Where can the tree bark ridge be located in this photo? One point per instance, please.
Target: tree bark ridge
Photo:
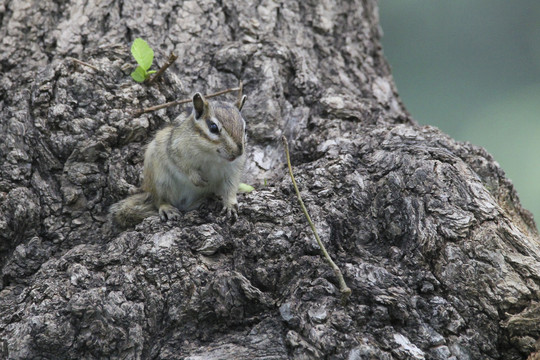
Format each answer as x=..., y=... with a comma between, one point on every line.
x=430, y=236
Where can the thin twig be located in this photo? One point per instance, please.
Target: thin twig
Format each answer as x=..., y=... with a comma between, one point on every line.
x=182, y=101
x=83, y=63
x=172, y=58
x=240, y=94
x=343, y=288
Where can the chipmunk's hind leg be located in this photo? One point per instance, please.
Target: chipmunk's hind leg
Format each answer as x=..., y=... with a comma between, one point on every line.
x=168, y=212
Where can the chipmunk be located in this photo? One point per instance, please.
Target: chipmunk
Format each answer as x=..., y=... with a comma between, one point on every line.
x=186, y=162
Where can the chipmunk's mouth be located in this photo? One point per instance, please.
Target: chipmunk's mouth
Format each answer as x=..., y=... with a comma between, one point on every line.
x=228, y=157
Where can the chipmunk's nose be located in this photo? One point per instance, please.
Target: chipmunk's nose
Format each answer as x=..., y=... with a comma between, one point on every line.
x=240, y=150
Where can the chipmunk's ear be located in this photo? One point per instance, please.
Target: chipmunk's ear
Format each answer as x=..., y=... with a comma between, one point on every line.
x=241, y=102
x=199, y=105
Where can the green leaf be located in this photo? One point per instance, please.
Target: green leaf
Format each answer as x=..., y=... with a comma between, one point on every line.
x=139, y=75
x=143, y=53
x=245, y=188
x=151, y=72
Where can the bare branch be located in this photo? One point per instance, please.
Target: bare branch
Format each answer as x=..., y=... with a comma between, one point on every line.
x=179, y=102
x=343, y=288
x=83, y=63
x=172, y=58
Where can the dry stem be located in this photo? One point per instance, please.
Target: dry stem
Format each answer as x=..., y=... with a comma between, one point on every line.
x=184, y=101
x=343, y=288
x=172, y=58
x=83, y=63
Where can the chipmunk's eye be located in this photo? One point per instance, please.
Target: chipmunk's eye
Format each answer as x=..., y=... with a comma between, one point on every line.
x=213, y=128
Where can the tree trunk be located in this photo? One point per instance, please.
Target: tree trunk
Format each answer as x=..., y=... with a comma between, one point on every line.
x=442, y=260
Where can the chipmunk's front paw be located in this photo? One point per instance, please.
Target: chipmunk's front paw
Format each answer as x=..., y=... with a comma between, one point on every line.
x=169, y=212
x=230, y=211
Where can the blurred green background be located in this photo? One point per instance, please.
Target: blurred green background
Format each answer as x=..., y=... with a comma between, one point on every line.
x=472, y=69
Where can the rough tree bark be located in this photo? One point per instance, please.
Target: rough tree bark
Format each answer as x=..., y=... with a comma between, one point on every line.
x=442, y=260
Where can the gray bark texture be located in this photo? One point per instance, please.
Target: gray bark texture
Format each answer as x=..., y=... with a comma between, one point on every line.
x=442, y=260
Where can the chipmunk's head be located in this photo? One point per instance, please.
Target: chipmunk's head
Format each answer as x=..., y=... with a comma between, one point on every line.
x=221, y=126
